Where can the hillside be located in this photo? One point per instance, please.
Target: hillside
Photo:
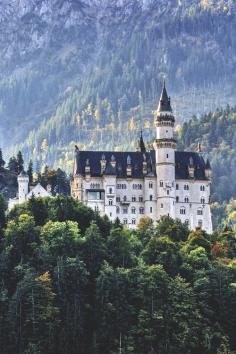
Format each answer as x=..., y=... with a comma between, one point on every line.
x=87, y=71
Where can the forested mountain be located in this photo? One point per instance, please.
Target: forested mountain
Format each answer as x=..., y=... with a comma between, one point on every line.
x=90, y=71
x=71, y=282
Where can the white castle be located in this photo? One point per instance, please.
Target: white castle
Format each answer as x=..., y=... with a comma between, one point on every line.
x=156, y=183
x=24, y=193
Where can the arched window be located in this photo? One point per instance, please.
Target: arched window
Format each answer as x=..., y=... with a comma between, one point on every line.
x=186, y=200
x=182, y=211
x=125, y=221
x=133, y=221
x=202, y=200
x=110, y=202
x=150, y=197
x=161, y=183
x=150, y=185
x=202, y=188
x=141, y=210
x=133, y=199
x=133, y=210
x=186, y=187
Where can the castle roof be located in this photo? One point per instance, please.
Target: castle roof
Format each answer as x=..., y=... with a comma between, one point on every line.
x=136, y=159
x=164, y=103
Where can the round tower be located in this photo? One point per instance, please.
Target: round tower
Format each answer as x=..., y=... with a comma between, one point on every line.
x=165, y=146
x=23, y=186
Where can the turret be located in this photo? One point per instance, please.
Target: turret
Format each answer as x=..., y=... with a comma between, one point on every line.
x=208, y=170
x=191, y=168
x=23, y=186
x=165, y=146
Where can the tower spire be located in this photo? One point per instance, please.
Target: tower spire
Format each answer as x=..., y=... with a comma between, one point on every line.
x=164, y=102
x=142, y=146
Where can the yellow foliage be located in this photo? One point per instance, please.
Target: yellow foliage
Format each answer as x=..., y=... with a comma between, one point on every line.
x=147, y=124
x=44, y=278
x=131, y=124
x=44, y=145
x=178, y=128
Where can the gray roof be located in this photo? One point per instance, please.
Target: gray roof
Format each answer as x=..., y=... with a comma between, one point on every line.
x=183, y=160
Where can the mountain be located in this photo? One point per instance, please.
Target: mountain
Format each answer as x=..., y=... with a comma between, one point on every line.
x=90, y=71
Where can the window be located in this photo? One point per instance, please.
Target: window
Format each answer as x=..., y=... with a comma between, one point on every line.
x=133, y=221
x=167, y=155
x=121, y=186
x=125, y=210
x=110, y=202
x=187, y=221
x=125, y=221
x=133, y=199
x=140, y=199
x=117, y=210
x=96, y=195
x=177, y=187
x=177, y=199
x=199, y=223
x=202, y=188
x=150, y=197
x=110, y=191
x=150, y=209
x=96, y=208
x=110, y=214
x=141, y=210
x=168, y=192
x=95, y=186
x=133, y=210
x=186, y=187
x=137, y=186
x=118, y=199
x=161, y=183
x=186, y=200
x=199, y=212
x=203, y=200
x=182, y=211
x=162, y=206
x=150, y=185
x=124, y=198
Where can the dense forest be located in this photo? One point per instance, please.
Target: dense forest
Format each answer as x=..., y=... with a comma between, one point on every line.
x=73, y=282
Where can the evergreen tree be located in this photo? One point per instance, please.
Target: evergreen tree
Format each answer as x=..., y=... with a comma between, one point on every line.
x=30, y=172
x=20, y=162
x=2, y=162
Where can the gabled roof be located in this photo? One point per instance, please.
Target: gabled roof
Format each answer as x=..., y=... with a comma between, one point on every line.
x=183, y=160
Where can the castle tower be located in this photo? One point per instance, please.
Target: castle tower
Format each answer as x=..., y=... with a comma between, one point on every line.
x=23, y=186
x=165, y=146
x=77, y=182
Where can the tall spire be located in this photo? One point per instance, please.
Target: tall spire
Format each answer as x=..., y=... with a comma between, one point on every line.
x=142, y=147
x=164, y=103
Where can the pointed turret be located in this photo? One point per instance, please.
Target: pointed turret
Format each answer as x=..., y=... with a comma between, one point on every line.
x=164, y=103
x=142, y=146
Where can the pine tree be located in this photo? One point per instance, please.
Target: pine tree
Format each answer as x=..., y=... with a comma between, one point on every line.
x=20, y=162
x=2, y=162
x=30, y=172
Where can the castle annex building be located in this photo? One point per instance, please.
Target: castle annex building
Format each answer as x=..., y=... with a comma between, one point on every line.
x=163, y=181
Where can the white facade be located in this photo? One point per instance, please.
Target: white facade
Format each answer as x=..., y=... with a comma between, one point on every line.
x=158, y=183
x=24, y=193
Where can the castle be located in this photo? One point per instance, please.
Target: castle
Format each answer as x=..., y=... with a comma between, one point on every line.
x=156, y=183
x=24, y=193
